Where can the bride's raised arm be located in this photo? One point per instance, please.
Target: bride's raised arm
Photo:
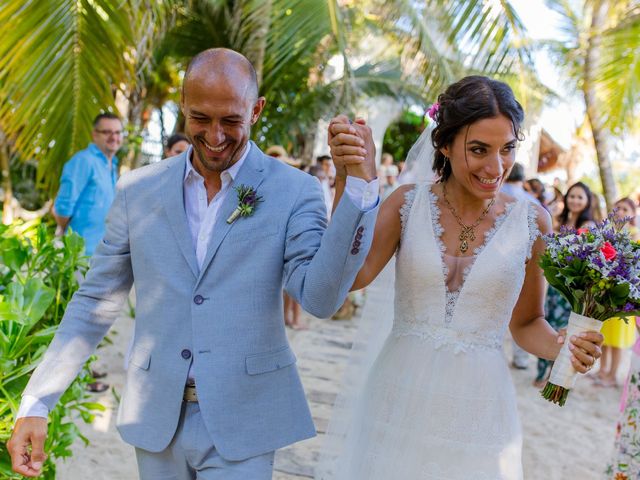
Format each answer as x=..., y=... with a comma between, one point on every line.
x=346, y=141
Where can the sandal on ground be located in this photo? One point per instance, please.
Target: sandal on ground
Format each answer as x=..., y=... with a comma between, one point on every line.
x=97, y=387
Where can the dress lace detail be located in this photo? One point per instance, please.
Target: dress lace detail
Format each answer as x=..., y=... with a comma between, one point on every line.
x=409, y=197
x=534, y=231
x=452, y=296
x=456, y=341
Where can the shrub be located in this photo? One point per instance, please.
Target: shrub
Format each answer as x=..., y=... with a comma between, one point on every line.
x=38, y=275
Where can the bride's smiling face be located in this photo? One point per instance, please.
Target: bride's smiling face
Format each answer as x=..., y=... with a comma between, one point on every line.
x=482, y=155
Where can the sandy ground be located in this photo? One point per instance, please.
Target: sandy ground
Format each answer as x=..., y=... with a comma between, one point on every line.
x=573, y=442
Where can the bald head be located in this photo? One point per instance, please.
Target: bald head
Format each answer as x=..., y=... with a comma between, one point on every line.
x=221, y=63
x=220, y=104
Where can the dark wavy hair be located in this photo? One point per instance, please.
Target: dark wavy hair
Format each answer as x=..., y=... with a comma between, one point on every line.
x=586, y=215
x=471, y=99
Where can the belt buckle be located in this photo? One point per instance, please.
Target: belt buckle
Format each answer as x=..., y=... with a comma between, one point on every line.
x=190, y=395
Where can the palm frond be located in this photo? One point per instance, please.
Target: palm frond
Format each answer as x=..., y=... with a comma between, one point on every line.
x=618, y=74
x=58, y=65
x=297, y=29
x=489, y=35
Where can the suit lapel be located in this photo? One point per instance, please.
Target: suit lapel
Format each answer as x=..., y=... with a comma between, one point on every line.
x=173, y=199
x=250, y=174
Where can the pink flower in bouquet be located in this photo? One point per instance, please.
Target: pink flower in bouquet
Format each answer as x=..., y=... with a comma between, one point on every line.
x=581, y=231
x=608, y=251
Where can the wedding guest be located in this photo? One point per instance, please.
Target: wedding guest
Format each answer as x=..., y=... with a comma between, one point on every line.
x=577, y=213
x=536, y=188
x=618, y=334
x=278, y=151
x=88, y=183
x=388, y=175
x=625, y=461
x=87, y=190
x=176, y=144
x=327, y=165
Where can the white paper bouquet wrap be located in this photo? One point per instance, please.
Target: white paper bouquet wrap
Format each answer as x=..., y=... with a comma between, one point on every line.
x=563, y=374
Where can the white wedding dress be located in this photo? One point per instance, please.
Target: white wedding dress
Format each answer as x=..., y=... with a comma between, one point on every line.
x=438, y=402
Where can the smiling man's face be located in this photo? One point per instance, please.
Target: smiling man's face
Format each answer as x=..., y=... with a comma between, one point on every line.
x=219, y=109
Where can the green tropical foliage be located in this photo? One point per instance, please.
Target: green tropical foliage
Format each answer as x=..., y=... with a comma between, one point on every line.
x=38, y=276
x=66, y=60
x=401, y=135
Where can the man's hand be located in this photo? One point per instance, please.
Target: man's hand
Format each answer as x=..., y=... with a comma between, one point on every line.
x=352, y=148
x=28, y=432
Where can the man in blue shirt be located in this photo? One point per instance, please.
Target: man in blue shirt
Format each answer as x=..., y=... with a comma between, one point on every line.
x=88, y=182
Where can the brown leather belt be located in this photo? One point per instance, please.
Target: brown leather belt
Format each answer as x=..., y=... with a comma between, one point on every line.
x=190, y=395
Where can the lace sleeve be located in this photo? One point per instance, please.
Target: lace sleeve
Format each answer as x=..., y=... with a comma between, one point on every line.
x=405, y=210
x=534, y=231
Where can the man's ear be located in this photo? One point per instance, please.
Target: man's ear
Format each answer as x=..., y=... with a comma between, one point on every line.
x=257, y=109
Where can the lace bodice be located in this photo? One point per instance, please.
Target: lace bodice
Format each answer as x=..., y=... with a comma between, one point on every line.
x=470, y=308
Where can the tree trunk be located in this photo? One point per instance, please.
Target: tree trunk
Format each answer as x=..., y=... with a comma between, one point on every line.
x=598, y=128
x=7, y=188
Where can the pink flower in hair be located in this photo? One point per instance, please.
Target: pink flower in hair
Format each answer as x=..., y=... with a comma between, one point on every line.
x=433, y=110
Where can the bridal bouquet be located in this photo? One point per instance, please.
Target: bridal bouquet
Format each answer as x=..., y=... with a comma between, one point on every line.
x=598, y=272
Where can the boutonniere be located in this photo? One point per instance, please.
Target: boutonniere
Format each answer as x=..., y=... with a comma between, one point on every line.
x=247, y=203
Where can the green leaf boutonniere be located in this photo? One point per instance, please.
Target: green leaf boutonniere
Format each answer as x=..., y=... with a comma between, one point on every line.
x=247, y=202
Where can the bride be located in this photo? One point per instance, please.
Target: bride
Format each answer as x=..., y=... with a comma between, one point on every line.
x=438, y=402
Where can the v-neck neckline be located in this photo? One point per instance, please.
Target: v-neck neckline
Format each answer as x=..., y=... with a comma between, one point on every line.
x=451, y=297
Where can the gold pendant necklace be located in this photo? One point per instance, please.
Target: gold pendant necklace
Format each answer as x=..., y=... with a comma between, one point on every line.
x=467, y=234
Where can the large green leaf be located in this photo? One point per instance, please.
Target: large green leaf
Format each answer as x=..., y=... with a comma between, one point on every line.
x=26, y=303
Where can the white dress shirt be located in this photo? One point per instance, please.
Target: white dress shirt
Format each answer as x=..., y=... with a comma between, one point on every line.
x=202, y=216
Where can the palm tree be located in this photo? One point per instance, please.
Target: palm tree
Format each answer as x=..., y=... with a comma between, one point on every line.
x=601, y=55
x=66, y=60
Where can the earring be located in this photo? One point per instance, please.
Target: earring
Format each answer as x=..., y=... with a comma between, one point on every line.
x=446, y=160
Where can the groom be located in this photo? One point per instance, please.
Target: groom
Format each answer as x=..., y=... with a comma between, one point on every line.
x=212, y=389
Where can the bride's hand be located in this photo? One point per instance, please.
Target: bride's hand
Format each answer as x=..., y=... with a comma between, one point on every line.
x=585, y=349
x=352, y=148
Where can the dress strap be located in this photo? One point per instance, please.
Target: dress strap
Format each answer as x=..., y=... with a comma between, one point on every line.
x=534, y=231
x=405, y=210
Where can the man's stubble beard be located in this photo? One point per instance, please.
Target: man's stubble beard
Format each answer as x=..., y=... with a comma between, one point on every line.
x=214, y=167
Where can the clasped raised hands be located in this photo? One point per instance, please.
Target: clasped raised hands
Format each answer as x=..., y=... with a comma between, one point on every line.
x=352, y=148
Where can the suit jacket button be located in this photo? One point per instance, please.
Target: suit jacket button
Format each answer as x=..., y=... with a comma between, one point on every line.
x=358, y=236
x=356, y=243
x=360, y=229
x=354, y=251
x=198, y=299
x=186, y=354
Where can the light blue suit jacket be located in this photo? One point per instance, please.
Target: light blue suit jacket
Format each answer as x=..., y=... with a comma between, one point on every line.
x=226, y=318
